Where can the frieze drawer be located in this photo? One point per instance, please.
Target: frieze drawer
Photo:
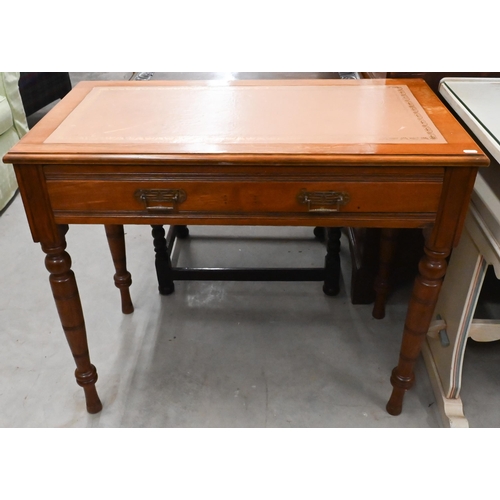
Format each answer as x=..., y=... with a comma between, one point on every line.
x=249, y=197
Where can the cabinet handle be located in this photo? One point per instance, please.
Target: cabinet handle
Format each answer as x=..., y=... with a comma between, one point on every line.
x=323, y=201
x=161, y=200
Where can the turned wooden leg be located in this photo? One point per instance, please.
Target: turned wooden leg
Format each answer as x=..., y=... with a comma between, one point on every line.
x=332, y=261
x=428, y=282
x=123, y=279
x=65, y=291
x=381, y=286
x=162, y=261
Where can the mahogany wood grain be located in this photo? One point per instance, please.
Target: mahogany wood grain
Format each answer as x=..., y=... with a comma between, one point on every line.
x=432, y=268
x=391, y=181
x=67, y=299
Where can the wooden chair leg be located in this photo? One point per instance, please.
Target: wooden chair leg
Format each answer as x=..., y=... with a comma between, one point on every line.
x=162, y=261
x=332, y=261
x=364, y=248
x=382, y=283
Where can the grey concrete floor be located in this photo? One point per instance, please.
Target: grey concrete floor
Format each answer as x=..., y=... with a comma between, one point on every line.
x=213, y=354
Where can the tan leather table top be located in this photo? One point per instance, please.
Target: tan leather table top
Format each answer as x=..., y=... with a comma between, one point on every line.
x=266, y=114
x=388, y=118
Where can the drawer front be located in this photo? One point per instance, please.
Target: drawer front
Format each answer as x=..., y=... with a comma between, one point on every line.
x=259, y=197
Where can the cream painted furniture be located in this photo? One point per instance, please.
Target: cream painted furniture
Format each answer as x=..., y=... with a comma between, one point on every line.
x=477, y=102
x=12, y=127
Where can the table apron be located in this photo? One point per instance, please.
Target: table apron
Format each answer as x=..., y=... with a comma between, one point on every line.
x=259, y=201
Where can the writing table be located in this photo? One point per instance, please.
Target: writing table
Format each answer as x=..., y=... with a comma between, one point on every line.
x=366, y=153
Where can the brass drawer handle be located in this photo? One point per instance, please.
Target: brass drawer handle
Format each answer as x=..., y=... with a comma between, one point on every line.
x=323, y=201
x=161, y=200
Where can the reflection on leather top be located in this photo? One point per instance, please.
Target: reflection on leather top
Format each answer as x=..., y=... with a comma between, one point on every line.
x=299, y=114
